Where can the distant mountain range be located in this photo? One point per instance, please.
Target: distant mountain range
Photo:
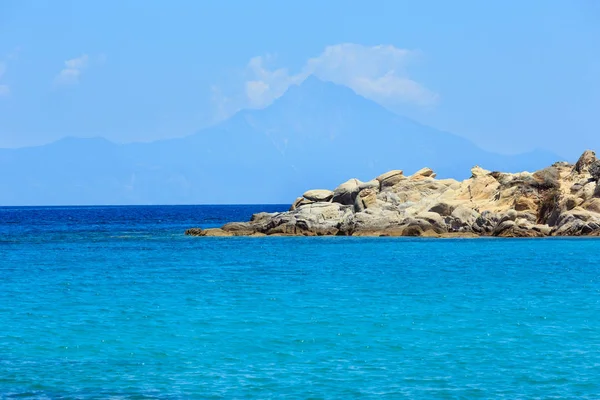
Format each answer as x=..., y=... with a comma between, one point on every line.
x=316, y=135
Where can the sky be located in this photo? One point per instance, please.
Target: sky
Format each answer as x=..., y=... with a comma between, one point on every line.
x=511, y=76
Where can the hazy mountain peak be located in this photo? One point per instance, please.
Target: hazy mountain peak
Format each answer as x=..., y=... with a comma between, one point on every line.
x=316, y=96
x=313, y=86
x=315, y=135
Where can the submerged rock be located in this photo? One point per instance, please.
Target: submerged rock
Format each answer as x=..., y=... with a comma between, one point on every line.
x=562, y=199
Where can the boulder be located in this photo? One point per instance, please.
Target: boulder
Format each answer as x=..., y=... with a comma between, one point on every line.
x=588, y=190
x=486, y=222
x=570, y=227
x=318, y=195
x=244, y=227
x=516, y=231
x=194, y=232
x=592, y=227
x=390, y=178
x=477, y=172
x=321, y=218
x=422, y=225
x=594, y=170
x=466, y=215
x=572, y=223
x=443, y=208
x=571, y=202
x=390, y=198
x=358, y=204
x=413, y=230
x=372, y=220
x=525, y=204
x=504, y=226
x=346, y=193
x=367, y=198
x=509, y=215
x=215, y=232
x=543, y=229
x=547, y=178
x=300, y=201
x=422, y=174
x=262, y=216
x=586, y=159
x=576, y=187
x=528, y=216
x=435, y=220
x=372, y=184
x=592, y=205
x=324, y=210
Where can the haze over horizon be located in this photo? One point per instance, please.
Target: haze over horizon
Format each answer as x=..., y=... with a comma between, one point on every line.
x=318, y=134
x=509, y=84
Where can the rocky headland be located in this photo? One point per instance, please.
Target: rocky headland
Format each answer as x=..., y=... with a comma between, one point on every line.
x=560, y=200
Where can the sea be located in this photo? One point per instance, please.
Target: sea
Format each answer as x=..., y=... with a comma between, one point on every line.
x=117, y=303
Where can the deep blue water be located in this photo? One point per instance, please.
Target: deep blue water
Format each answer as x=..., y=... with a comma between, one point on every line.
x=115, y=302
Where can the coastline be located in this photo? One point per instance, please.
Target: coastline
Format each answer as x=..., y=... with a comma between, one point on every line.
x=447, y=236
x=562, y=200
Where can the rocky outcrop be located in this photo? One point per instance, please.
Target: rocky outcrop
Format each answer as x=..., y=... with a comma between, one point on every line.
x=560, y=200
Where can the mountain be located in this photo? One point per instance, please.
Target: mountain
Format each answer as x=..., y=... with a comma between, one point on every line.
x=316, y=134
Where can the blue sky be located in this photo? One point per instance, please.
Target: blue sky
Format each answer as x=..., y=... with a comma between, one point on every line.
x=509, y=75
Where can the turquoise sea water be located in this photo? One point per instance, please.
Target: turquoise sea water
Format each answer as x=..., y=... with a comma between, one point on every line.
x=115, y=302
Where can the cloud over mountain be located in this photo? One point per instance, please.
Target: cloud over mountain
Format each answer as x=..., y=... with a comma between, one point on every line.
x=72, y=70
x=379, y=73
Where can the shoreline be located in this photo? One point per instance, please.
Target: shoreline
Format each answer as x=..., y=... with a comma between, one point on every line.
x=562, y=200
x=449, y=236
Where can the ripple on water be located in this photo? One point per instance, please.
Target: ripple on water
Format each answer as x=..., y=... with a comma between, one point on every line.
x=130, y=308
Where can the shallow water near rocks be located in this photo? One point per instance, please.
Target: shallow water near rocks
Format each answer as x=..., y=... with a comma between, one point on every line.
x=117, y=302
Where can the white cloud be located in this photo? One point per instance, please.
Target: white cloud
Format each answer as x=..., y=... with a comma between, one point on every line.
x=77, y=63
x=258, y=92
x=394, y=88
x=72, y=71
x=264, y=85
x=375, y=72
